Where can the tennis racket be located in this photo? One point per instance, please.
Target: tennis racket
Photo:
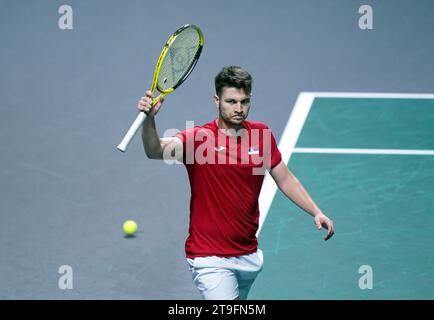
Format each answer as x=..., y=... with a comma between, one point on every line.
x=175, y=63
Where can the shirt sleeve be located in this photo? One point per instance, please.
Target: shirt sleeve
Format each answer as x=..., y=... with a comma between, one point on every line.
x=187, y=138
x=183, y=137
x=276, y=157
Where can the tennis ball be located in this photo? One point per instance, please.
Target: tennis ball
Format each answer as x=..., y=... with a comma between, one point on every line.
x=130, y=227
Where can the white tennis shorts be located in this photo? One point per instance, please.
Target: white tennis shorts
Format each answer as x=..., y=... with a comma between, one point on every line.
x=219, y=278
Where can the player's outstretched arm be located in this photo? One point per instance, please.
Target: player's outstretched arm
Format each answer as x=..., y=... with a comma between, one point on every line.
x=295, y=191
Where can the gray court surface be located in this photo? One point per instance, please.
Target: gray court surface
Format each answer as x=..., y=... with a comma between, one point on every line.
x=68, y=96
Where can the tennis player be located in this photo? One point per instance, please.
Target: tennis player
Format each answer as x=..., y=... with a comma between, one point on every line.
x=224, y=158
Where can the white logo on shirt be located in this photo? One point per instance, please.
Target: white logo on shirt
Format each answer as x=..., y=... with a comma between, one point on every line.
x=253, y=150
x=221, y=148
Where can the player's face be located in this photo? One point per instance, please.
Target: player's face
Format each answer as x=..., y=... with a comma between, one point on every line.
x=233, y=105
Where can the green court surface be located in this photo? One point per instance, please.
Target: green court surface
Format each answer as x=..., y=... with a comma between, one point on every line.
x=382, y=205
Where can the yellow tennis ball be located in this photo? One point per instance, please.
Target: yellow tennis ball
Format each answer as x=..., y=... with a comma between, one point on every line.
x=130, y=227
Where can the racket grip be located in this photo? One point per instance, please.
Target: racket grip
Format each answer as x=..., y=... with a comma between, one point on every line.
x=131, y=132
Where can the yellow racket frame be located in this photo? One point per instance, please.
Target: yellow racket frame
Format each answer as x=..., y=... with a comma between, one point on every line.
x=161, y=59
x=142, y=116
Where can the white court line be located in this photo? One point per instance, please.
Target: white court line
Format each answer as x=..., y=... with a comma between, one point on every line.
x=365, y=151
x=381, y=95
x=286, y=145
x=295, y=125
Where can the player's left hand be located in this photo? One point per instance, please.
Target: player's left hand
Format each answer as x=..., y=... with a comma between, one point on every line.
x=321, y=220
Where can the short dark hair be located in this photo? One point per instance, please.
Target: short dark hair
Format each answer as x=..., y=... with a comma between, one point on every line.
x=233, y=76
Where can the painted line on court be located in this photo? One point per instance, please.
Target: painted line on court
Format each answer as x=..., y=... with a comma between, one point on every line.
x=381, y=95
x=365, y=151
x=295, y=124
x=286, y=146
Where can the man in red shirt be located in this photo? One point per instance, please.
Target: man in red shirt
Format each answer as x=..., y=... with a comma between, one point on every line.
x=226, y=160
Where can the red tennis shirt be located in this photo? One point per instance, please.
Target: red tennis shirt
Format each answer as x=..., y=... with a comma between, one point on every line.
x=226, y=174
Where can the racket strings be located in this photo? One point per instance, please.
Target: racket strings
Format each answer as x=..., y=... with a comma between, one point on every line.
x=179, y=58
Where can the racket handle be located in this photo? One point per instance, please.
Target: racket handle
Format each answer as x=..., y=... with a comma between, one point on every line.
x=131, y=132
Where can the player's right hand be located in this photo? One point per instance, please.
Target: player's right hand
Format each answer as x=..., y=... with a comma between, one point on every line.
x=145, y=104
